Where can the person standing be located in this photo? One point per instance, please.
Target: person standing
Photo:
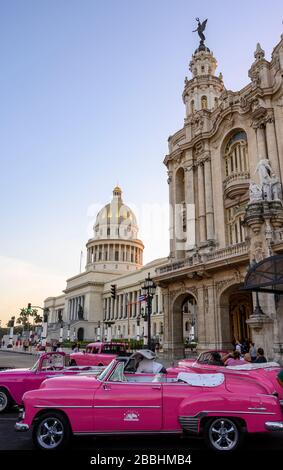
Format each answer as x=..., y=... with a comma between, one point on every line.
x=252, y=351
x=260, y=357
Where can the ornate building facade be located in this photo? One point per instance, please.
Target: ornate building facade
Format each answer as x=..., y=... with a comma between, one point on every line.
x=225, y=169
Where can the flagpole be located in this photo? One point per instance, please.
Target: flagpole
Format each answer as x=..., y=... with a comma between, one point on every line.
x=81, y=257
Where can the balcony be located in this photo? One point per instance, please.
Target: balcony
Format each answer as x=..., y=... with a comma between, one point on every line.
x=208, y=259
x=236, y=184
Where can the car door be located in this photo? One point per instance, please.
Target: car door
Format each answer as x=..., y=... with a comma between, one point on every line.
x=121, y=406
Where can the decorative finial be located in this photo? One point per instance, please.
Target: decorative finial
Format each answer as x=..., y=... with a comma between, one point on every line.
x=259, y=52
x=220, y=76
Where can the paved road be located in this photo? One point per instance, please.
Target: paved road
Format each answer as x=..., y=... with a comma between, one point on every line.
x=11, y=440
x=11, y=359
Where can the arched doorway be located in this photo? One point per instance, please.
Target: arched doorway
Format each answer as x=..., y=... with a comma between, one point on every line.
x=240, y=309
x=80, y=334
x=235, y=308
x=183, y=322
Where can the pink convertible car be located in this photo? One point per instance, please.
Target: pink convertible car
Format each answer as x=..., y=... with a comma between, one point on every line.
x=15, y=382
x=266, y=372
x=219, y=407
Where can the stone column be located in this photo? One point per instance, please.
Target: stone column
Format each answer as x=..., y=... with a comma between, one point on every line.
x=201, y=204
x=170, y=182
x=272, y=146
x=261, y=145
x=208, y=200
x=190, y=207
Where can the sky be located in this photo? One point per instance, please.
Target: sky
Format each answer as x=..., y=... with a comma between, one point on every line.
x=90, y=91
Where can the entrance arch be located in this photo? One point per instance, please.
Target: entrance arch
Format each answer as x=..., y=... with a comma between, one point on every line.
x=80, y=334
x=183, y=322
x=236, y=307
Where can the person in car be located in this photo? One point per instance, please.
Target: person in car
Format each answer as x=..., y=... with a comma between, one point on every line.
x=234, y=359
x=145, y=362
x=260, y=357
x=216, y=359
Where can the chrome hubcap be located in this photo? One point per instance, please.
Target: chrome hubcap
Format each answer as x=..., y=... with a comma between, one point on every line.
x=223, y=434
x=50, y=433
x=3, y=401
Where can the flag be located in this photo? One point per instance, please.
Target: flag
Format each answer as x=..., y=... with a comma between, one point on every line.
x=142, y=298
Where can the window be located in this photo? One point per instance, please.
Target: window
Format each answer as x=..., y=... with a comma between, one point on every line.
x=236, y=154
x=192, y=106
x=235, y=230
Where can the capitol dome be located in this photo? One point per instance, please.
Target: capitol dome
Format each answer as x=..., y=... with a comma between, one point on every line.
x=115, y=245
x=116, y=220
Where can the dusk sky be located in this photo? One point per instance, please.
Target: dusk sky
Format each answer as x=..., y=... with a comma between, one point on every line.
x=90, y=90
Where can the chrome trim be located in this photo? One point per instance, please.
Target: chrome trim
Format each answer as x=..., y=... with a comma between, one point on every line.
x=240, y=412
x=107, y=433
x=97, y=406
x=190, y=423
x=22, y=427
x=126, y=406
x=274, y=425
x=257, y=408
x=60, y=406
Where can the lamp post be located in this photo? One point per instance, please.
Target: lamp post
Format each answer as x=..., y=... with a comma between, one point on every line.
x=149, y=289
x=138, y=328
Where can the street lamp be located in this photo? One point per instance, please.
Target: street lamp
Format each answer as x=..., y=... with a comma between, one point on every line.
x=149, y=289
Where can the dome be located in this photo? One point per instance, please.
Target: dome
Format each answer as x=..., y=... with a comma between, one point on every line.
x=115, y=219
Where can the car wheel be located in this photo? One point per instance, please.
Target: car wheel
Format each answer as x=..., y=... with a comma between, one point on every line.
x=223, y=434
x=5, y=400
x=100, y=365
x=51, y=431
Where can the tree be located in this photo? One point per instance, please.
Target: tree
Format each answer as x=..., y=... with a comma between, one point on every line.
x=24, y=318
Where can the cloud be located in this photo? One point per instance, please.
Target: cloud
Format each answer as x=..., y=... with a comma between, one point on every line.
x=22, y=282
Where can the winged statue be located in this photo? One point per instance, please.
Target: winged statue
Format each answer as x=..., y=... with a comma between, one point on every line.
x=200, y=29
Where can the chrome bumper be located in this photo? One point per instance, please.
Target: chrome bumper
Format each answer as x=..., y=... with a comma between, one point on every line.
x=274, y=425
x=21, y=427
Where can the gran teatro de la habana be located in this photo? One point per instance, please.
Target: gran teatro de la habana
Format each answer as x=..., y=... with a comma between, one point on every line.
x=225, y=173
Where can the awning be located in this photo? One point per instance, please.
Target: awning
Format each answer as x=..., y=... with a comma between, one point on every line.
x=266, y=276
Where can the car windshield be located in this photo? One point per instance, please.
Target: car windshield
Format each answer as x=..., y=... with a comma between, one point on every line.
x=35, y=366
x=106, y=370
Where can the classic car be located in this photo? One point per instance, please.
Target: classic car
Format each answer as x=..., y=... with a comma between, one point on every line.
x=98, y=354
x=204, y=364
x=219, y=407
x=15, y=382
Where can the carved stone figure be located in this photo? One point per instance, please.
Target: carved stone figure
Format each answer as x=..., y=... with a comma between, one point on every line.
x=255, y=192
x=276, y=187
x=264, y=170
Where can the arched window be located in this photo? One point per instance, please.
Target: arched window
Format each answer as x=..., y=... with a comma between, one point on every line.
x=192, y=106
x=204, y=102
x=215, y=102
x=234, y=223
x=236, y=154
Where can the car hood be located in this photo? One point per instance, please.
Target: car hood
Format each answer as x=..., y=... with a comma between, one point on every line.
x=75, y=381
x=14, y=371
